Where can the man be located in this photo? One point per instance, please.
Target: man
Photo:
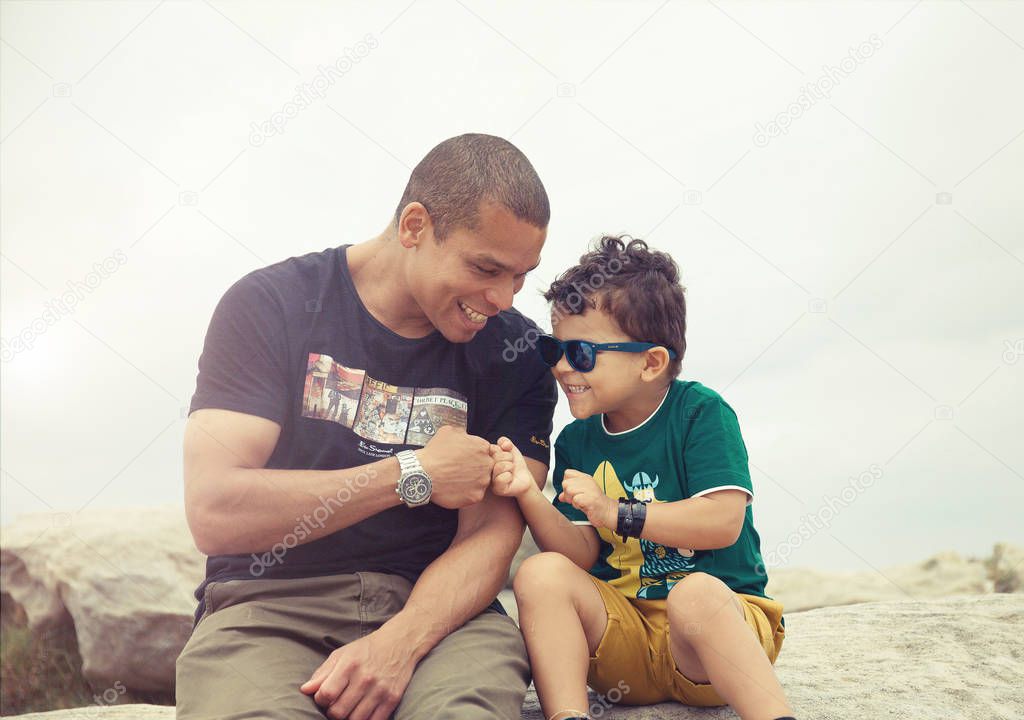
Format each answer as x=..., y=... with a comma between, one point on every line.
x=351, y=574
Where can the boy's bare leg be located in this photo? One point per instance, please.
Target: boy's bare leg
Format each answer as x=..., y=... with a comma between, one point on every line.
x=711, y=642
x=563, y=619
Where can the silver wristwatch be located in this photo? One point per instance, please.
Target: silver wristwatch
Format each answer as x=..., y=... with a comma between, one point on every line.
x=414, y=485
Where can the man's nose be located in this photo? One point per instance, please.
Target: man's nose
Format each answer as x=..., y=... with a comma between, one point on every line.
x=500, y=297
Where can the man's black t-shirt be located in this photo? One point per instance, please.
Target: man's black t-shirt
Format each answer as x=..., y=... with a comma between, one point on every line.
x=294, y=343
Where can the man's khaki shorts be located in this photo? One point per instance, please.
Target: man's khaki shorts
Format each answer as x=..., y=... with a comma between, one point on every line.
x=635, y=653
x=260, y=639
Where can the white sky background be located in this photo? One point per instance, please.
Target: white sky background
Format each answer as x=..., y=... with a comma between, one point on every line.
x=850, y=319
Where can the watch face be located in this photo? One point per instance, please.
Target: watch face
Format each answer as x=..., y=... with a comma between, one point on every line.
x=416, y=489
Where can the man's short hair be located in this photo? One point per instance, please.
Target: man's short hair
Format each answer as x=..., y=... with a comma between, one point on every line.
x=635, y=285
x=457, y=175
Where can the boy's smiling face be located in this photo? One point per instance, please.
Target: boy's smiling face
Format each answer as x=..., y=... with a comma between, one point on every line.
x=615, y=382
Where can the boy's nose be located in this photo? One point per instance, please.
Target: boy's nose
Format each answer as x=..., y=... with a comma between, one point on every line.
x=563, y=368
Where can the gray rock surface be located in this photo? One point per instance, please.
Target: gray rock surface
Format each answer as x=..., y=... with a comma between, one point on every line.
x=956, y=658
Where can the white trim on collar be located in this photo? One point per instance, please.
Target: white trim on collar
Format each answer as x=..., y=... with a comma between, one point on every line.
x=623, y=432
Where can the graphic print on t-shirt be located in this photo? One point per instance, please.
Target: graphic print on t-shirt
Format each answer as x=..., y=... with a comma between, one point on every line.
x=652, y=568
x=332, y=390
x=433, y=408
x=383, y=412
x=375, y=410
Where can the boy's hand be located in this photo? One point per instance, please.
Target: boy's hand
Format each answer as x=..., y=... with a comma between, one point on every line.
x=510, y=476
x=581, y=491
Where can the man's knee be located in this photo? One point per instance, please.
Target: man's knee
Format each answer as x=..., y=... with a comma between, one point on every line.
x=480, y=670
x=542, y=574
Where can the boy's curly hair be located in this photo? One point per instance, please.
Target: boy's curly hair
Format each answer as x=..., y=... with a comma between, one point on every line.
x=635, y=285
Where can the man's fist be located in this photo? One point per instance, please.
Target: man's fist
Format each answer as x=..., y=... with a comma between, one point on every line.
x=459, y=466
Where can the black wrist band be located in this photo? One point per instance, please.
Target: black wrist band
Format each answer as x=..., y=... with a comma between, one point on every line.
x=639, y=516
x=625, y=519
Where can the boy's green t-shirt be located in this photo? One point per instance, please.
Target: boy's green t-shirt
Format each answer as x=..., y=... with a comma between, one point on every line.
x=689, y=447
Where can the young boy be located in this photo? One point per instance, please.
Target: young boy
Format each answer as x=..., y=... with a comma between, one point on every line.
x=651, y=584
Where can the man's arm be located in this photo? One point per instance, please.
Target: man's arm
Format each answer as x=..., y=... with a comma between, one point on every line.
x=470, y=574
x=235, y=505
x=459, y=584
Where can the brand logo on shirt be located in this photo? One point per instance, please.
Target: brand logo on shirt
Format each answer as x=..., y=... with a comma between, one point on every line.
x=537, y=441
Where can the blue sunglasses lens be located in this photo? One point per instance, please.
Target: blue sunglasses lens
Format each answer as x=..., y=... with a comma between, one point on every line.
x=581, y=355
x=550, y=349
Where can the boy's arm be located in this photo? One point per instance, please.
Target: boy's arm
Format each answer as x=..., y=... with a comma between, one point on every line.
x=549, y=527
x=708, y=522
x=554, y=532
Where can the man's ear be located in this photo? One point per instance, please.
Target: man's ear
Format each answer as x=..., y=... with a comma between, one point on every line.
x=656, y=361
x=414, y=224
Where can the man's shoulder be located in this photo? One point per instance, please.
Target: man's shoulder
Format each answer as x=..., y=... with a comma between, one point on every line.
x=283, y=273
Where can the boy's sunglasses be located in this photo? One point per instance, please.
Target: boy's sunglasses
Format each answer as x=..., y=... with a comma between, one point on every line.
x=582, y=354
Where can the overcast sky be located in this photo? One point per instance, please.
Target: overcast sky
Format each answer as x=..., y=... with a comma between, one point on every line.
x=840, y=184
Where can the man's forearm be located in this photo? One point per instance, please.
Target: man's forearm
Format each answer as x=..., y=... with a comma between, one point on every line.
x=463, y=581
x=256, y=508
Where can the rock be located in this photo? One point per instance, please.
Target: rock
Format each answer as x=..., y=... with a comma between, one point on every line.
x=108, y=712
x=955, y=658
x=944, y=574
x=1006, y=568
x=122, y=582
x=124, y=578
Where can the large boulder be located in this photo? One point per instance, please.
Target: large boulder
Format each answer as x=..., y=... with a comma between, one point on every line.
x=957, y=658
x=122, y=582
x=121, y=579
x=944, y=574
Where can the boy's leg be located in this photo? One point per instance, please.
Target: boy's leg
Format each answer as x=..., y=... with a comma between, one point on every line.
x=563, y=618
x=711, y=641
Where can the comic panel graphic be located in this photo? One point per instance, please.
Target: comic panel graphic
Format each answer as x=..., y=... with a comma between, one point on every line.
x=383, y=414
x=433, y=408
x=332, y=390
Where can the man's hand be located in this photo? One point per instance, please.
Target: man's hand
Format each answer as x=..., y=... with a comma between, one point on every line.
x=459, y=466
x=581, y=491
x=511, y=477
x=363, y=680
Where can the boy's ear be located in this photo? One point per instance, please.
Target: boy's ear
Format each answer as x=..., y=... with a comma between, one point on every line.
x=656, y=362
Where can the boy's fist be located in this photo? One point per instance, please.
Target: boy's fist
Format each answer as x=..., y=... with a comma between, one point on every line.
x=510, y=476
x=581, y=491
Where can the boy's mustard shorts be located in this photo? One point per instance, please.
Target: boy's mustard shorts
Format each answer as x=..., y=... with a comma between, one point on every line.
x=635, y=653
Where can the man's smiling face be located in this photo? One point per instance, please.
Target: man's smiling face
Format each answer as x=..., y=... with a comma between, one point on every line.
x=474, y=273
